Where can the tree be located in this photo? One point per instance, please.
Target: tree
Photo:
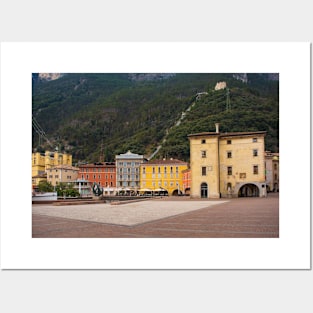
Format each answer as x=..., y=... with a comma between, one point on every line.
x=45, y=186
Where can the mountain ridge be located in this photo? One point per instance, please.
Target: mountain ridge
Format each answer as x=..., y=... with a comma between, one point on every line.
x=93, y=114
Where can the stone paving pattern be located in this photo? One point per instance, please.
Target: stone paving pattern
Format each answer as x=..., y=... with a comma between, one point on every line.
x=236, y=218
x=128, y=214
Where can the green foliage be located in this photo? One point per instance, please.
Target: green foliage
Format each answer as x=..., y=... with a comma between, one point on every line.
x=83, y=112
x=66, y=190
x=45, y=186
x=248, y=113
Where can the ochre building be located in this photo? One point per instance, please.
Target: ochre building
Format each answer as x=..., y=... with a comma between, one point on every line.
x=41, y=162
x=272, y=171
x=165, y=174
x=62, y=174
x=227, y=164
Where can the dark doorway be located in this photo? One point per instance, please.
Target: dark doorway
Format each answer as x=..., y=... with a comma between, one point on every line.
x=204, y=190
x=249, y=190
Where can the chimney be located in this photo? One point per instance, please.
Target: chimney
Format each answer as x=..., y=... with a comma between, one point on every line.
x=217, y=125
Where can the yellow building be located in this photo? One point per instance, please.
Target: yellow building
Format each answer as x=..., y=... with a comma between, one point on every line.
x=227, y=164
x=272, y=171
x=62, y=174
x=38, y=178
x=157, y=175
x=43, y=161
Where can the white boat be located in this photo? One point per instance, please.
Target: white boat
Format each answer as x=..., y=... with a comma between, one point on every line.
x=44, y=196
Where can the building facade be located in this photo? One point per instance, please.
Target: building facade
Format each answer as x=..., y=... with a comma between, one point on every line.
x=186, y=181
x=227, y=164
x=272, y=171
x=62, y=174
x=41, y=162
x=101, y=173
x=158, y=175
x=128, y=171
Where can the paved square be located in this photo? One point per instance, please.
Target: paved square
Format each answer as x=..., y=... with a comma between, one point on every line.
x=129, y=214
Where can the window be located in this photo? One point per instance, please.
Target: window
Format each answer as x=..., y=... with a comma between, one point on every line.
x=254, y=139
x=229, y=142
x=203, y=170
x=242, y=175
x=229, y=170
x=229, y=155
x=255, y=152
x=203, y=154
x=255, y=169
x=275, y=166
x=203, y=141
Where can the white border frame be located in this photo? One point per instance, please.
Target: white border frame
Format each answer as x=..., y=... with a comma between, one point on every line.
x=290, y=251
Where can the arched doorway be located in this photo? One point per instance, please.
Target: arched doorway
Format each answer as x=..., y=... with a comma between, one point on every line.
x=249, y=190
x=204, y=190
x=176, y=192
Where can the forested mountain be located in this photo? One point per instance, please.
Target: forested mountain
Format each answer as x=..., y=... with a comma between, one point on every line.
x=96, y=116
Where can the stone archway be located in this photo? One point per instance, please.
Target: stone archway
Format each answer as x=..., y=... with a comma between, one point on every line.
x=249, y=190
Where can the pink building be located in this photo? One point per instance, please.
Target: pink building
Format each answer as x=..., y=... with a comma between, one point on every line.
x=186, y=181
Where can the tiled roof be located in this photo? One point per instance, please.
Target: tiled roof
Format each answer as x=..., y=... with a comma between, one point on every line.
x=165, y=161
x=64, y=167
x=98, y=164
x=232, y=134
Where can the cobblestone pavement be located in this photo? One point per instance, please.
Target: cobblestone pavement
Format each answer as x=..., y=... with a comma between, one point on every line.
x=238, y=218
